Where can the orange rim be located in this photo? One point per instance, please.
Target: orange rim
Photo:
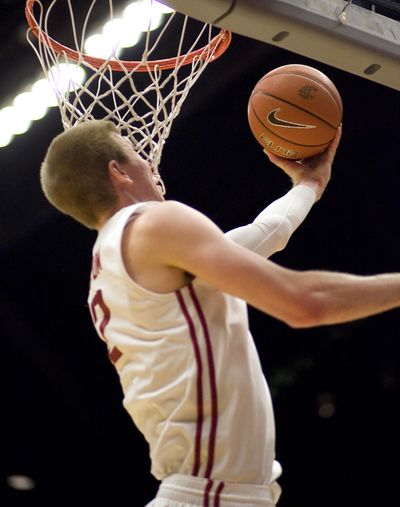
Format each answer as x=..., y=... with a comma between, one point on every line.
x=217, y=45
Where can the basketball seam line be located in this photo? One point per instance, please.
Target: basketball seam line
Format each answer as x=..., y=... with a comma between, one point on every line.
x=295, y=105
x=316, y=80
x=283, y=138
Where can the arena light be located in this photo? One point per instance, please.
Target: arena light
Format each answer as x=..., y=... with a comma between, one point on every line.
x=121, y=32
x=143, y=15
x=13, y=122
x=102, y=45
x=66, y=77
x=126, y=31
x=5, y=136
x=27, y=104
x=44, y=92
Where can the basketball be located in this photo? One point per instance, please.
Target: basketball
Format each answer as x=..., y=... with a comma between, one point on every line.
x=294, y=111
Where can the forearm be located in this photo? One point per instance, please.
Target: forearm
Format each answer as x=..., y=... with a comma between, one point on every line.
x=273, y=227
x=333, y=298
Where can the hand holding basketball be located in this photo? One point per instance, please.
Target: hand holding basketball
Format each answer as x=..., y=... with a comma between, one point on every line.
x=313, y=171
x=294, y=111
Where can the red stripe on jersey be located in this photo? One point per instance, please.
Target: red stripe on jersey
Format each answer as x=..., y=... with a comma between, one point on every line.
x=218, y=493
x=206, y=499
x=199, y=385
x=213, y=383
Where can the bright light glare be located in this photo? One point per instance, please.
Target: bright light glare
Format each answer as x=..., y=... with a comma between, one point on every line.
x=45, y=93
x=165, y=9
x=125, y=32
x=143, y=16
x=138, y=17
x=121, y=33
x=27, y=104
x=12, y=121
x=101, y=45
x=5, y=137
x=66, y=77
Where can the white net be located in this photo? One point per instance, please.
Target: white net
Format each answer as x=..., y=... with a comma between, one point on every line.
x=142, y=87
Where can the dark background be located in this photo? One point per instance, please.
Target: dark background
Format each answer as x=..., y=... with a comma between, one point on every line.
x=335, y=389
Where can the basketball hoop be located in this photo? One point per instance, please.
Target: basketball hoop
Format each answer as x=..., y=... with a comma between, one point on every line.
x=142, y=95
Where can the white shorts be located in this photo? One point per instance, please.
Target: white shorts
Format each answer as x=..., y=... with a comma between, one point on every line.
x=187, y=491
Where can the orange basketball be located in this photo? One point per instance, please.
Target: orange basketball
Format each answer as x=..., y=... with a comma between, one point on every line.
x=294, y=111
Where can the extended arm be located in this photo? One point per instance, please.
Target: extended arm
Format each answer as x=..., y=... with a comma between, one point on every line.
x=172, y=239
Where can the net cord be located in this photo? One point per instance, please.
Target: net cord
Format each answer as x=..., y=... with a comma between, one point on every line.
x=111, y=91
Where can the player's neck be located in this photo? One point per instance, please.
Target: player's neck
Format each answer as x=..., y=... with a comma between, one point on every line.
x=128, y=200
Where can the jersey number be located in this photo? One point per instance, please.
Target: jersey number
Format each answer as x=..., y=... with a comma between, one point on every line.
x=96, y=304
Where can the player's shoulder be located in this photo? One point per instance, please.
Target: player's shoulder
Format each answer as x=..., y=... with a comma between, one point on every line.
x=156, y=213
x=157, y=218
x=163, y=222
x=157, y=231
x=167, y=210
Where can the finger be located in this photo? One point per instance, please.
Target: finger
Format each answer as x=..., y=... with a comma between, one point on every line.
x=275, y=159
x=272, y=157
x=335, y=141
x=329, y=154
x=268, y=153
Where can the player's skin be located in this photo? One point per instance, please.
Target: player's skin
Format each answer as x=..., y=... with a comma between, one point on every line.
x=169, y=244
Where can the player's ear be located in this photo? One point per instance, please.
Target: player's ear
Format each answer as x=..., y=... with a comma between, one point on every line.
x=117, y=173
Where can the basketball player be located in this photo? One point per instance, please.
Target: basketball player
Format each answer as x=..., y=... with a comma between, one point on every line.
x=168, y=295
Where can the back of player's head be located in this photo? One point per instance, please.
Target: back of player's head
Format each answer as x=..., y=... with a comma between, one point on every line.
x=74, y=173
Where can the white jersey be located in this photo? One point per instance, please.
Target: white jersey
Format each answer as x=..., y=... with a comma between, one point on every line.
x=189, y=370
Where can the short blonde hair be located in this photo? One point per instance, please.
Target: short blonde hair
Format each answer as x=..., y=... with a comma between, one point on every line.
x=74, y=173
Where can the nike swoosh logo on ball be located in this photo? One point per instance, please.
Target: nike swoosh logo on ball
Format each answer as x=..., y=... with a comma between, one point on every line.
x=278, y=122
